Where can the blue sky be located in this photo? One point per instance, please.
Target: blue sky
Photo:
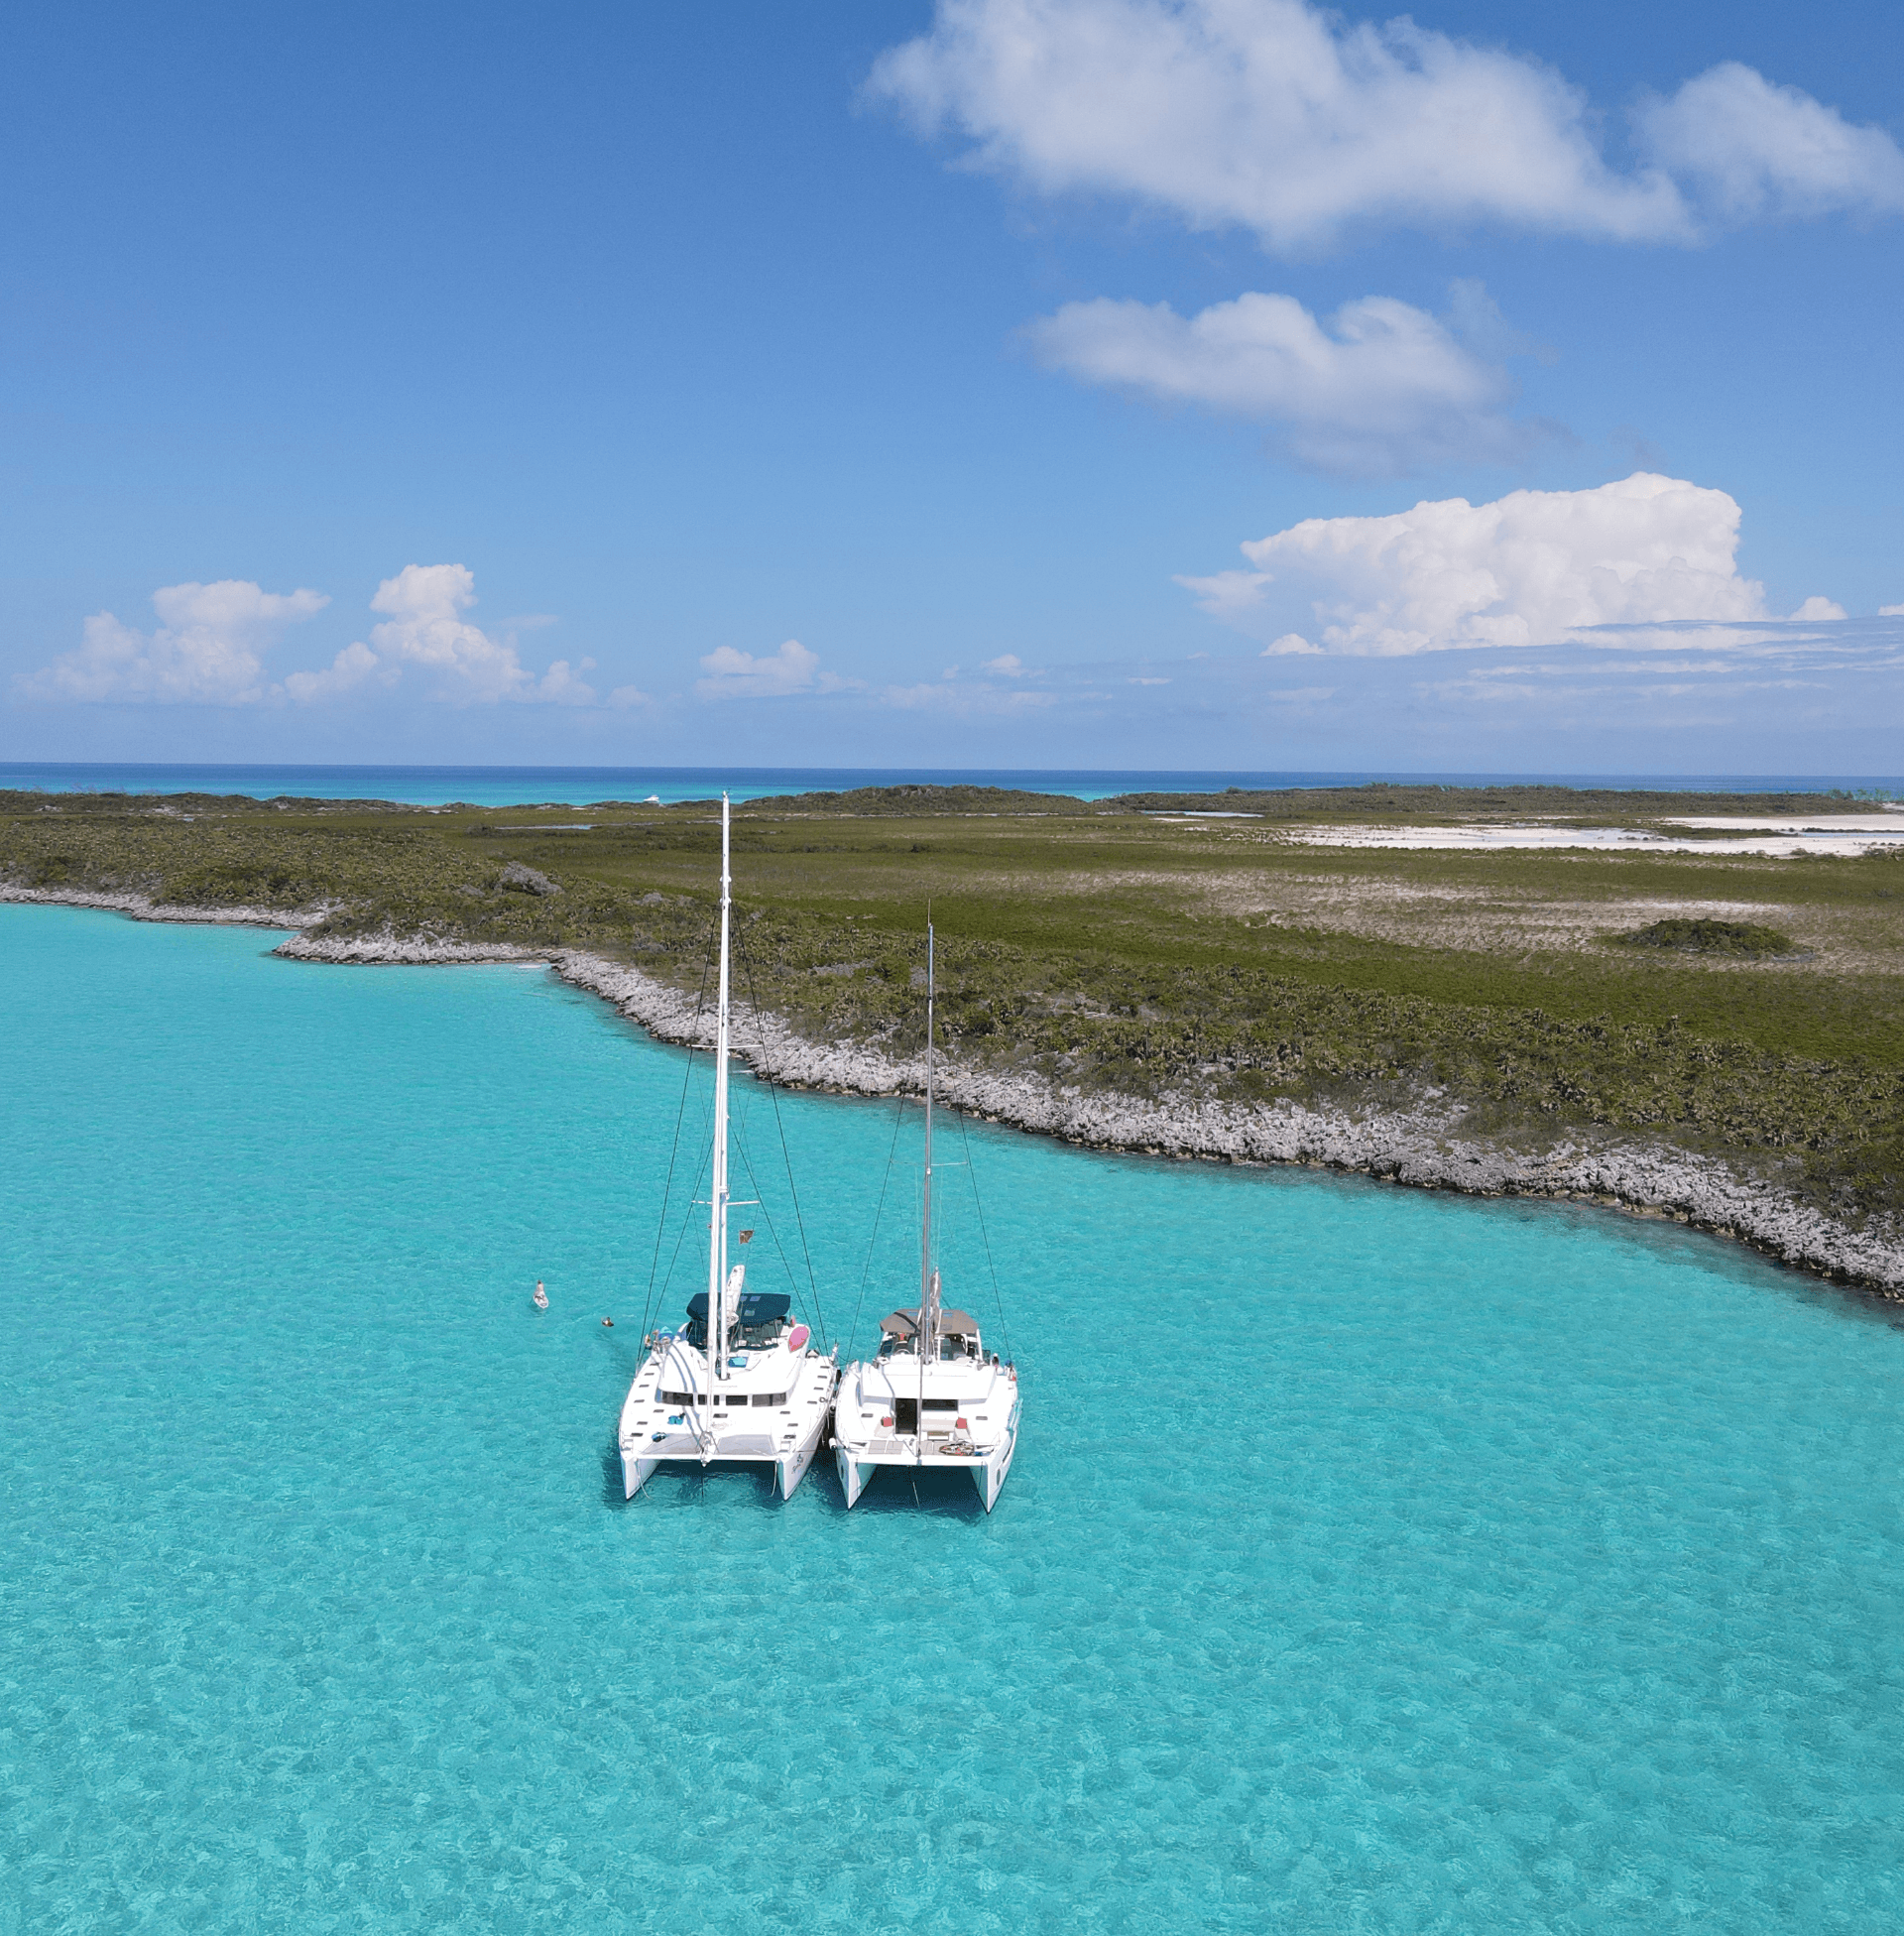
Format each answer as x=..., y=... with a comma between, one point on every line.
x=862, y=385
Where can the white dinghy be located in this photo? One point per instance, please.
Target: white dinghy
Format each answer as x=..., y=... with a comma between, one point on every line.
x=742, y=1382
x=933, y=1395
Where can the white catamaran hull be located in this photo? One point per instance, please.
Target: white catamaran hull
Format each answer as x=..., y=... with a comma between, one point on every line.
x=787, y=1472
x=790, y=1463
x=738, y=1347
x=932, y=1396
x=858, y=1463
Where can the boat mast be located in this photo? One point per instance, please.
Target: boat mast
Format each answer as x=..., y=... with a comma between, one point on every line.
x=928, y=1331
x=717, y=1213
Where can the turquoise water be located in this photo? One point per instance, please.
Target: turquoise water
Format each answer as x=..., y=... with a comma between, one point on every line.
x=518, y=786
x=1372, y=1561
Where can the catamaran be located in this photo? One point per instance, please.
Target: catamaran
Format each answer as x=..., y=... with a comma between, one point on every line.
x=742, y=1382
x=933, y=1395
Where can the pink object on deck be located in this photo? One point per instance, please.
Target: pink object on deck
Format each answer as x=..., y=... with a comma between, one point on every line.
x=797, y=1337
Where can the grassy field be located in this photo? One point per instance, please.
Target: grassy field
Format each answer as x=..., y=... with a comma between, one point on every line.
x=1162, y=956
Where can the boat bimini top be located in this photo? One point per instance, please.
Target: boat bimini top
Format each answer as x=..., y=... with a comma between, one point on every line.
x=904, y=1326
x=958, y=1334
x=760, y=1311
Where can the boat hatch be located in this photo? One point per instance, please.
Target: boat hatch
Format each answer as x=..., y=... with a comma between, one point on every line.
x=906, y=1412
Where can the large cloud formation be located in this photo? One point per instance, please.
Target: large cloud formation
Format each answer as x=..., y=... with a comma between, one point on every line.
x=1276, y=116
x=207, y=649
x=730, y=674
x=1380, y=390
x=1751, y=149
x=1530, y=568
x=426, y=626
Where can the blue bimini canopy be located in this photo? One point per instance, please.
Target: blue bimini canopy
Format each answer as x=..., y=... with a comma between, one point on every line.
x=756, y=1306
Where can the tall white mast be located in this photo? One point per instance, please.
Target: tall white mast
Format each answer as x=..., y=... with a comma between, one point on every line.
x=928, y=1333
x=717, y=1213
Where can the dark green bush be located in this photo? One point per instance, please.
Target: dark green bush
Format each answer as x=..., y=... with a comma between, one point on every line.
x=1701, y=936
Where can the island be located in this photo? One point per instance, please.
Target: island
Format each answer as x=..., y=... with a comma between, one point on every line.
x=1685, y=1006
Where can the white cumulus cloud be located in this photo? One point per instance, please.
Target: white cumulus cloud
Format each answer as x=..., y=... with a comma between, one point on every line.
x=1276, y=116
x=1749, y=148
x=207, y=649
x=562, y=684
x=734, y=675
x=425, y=626
x=1378, y=390
x=1531, y=567
x=348, y=671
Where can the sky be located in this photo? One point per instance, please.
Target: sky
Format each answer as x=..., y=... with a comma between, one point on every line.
x=1219, y=384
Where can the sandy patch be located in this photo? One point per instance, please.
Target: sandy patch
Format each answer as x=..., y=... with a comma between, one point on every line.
x=1778, y=843
x=1478, y=920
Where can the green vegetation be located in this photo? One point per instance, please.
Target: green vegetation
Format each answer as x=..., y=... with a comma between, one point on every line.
x=1163, y=956
x=1392, y=801
x=1694, y=937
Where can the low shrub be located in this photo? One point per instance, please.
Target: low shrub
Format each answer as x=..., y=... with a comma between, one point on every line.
x=1703, y=936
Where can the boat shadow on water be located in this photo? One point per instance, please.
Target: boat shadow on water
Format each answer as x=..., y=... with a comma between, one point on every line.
x=945, y=1494
x=681, y=1481
x=938, y=1490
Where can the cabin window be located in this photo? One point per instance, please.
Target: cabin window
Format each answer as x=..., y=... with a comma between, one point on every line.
x=942, y=1404
x=770, y=1398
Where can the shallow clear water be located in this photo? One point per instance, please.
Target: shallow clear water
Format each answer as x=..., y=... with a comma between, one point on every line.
x=517, y=785
x=1372, y=1561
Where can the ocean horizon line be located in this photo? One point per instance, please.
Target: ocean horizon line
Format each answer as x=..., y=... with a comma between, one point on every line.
x=426, y=785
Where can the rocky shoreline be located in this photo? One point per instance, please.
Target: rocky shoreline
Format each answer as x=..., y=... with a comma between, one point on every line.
x=1423, y=1145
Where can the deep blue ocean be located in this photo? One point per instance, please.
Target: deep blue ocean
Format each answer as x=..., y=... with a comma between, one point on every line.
x=1374, y=1561
x=524, y=785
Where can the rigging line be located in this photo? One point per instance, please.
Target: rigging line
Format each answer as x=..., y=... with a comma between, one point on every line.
x=661, y=1222
x=668, y=1191
x=688, y=1224
x=754, y=1183
x=773, y=1089
x=898, y=1117
x=701, y=1169
x=997, y=1296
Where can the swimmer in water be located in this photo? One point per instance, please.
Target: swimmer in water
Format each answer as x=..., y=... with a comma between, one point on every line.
x=609, y=1323
x=541, y=1296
